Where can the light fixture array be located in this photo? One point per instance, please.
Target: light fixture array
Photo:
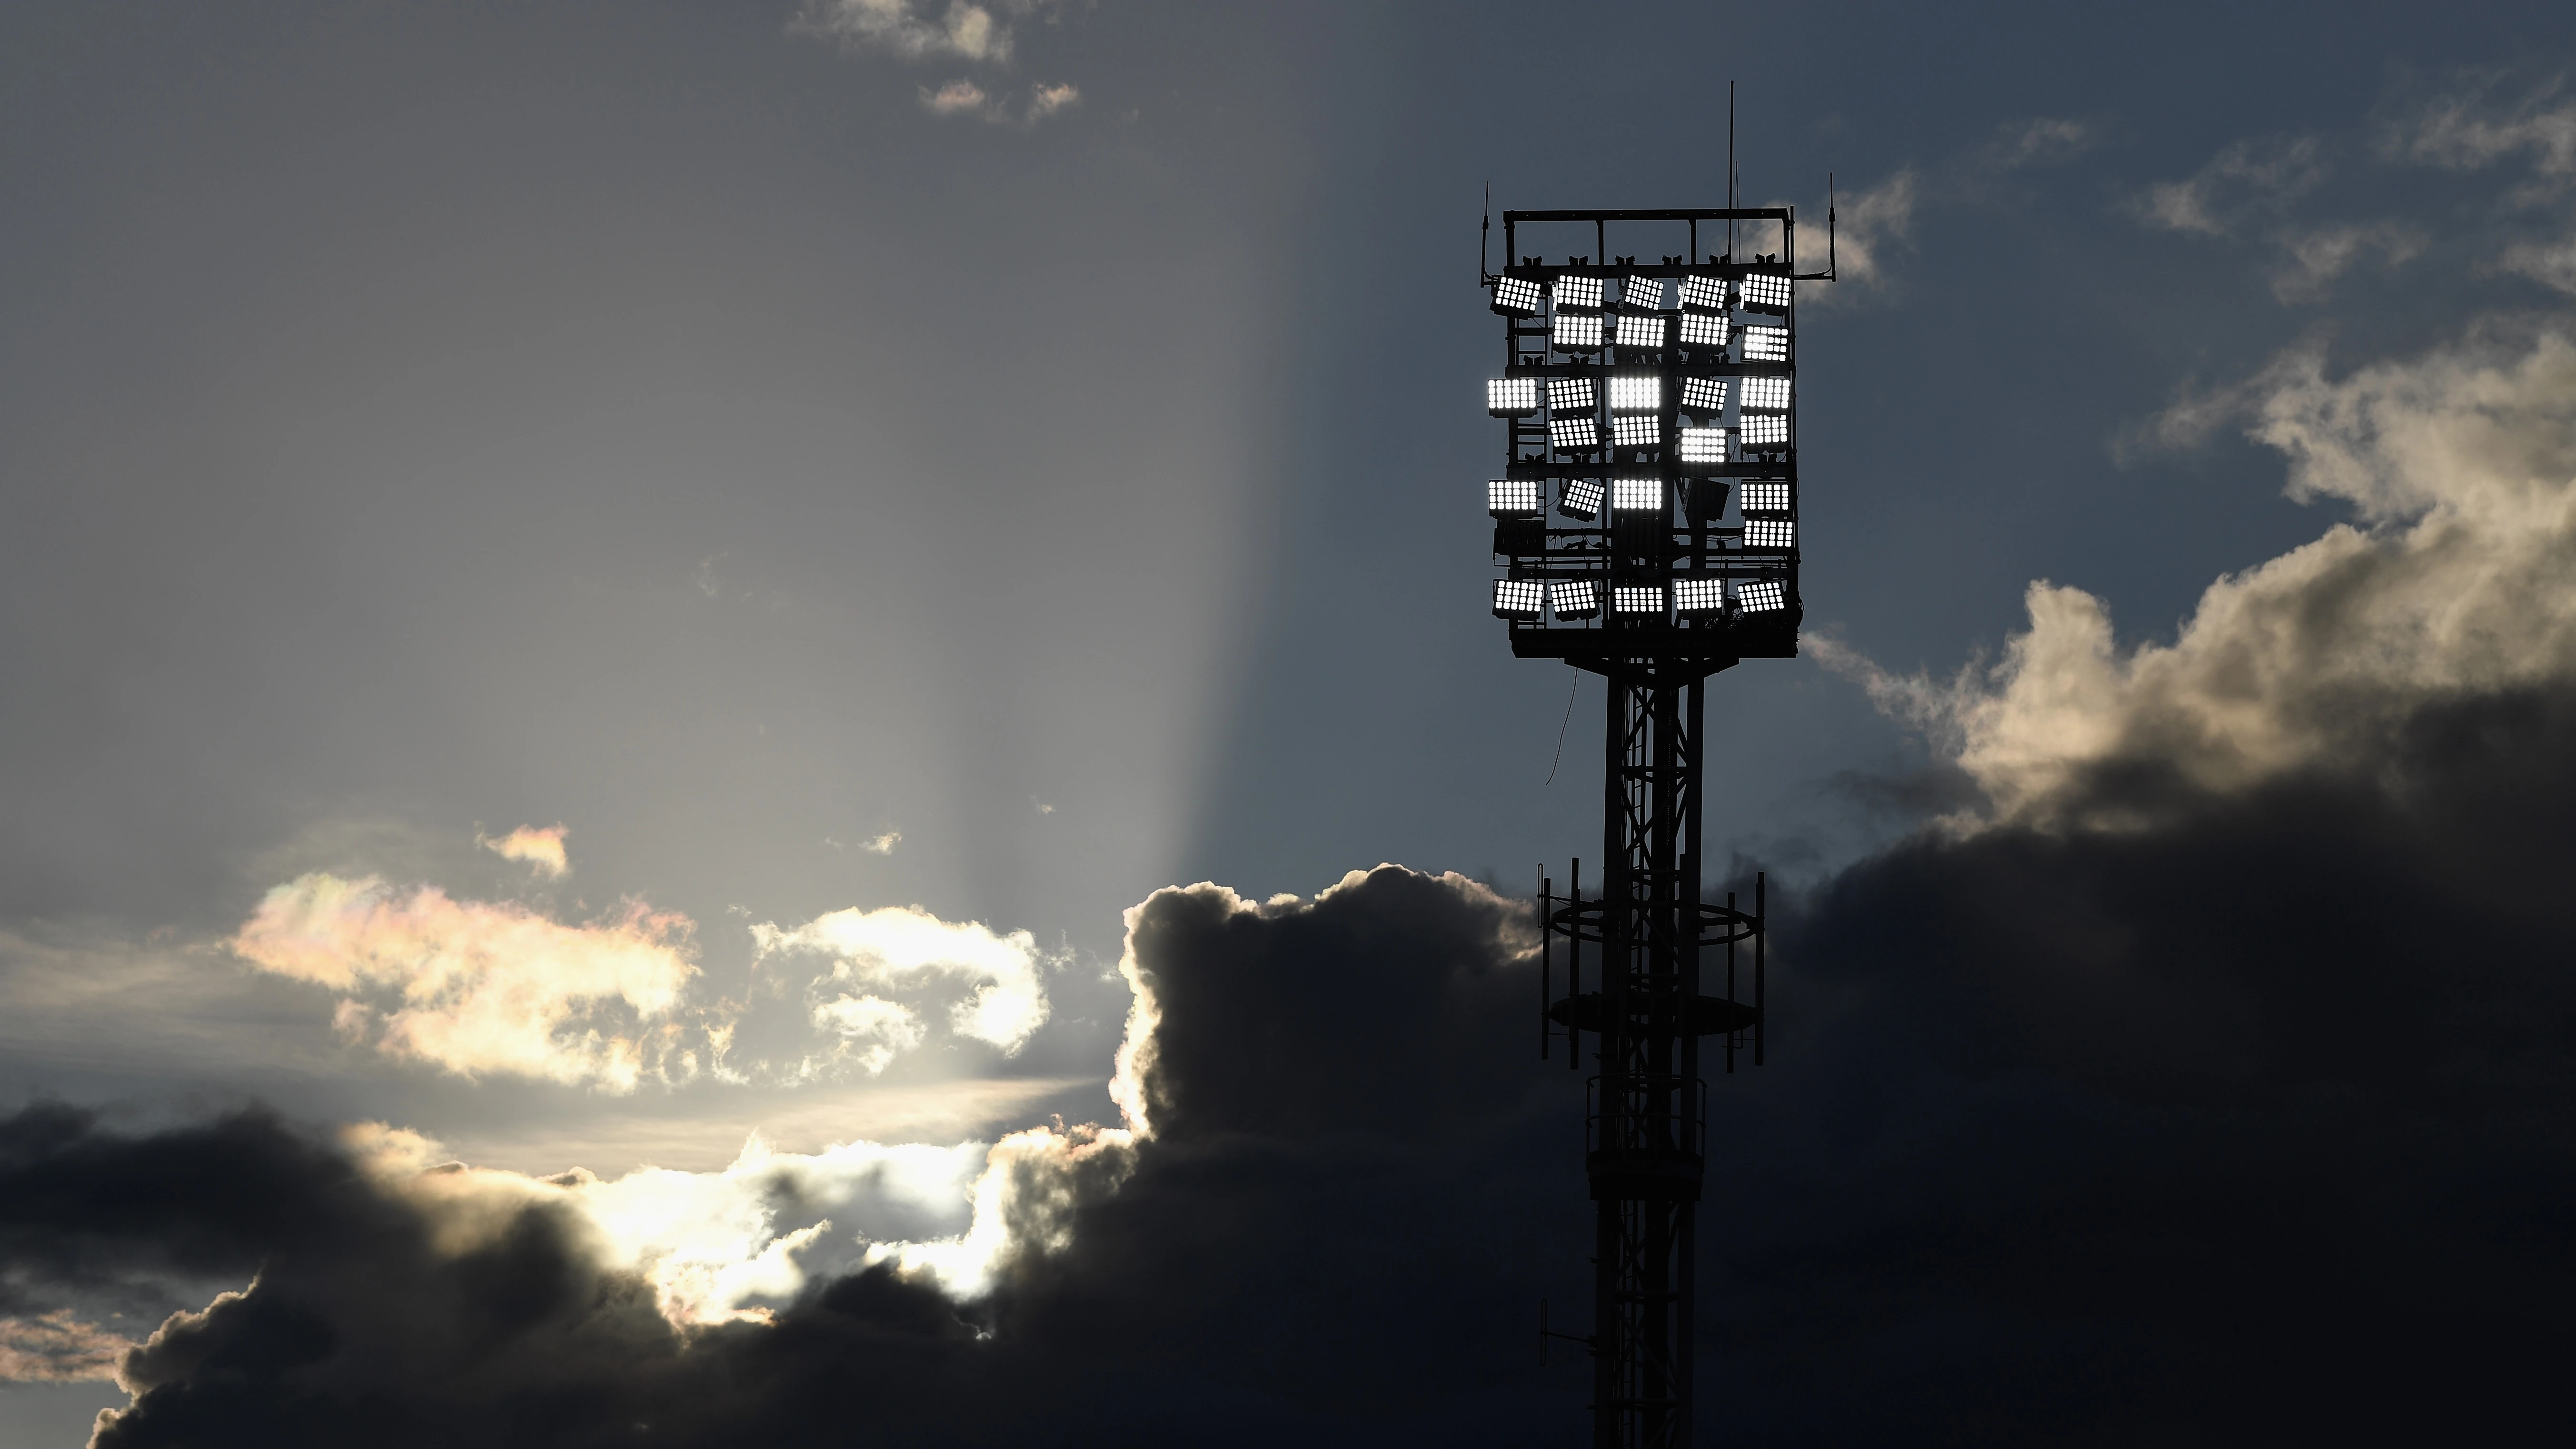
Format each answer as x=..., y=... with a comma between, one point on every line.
x=1575, y=563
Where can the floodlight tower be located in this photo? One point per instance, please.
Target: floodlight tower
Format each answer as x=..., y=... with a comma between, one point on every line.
x=1646, y=523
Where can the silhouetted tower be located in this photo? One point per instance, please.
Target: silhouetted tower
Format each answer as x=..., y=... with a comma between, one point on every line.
x=1646, y=519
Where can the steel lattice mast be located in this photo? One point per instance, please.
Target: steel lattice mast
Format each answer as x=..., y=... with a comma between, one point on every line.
x=1646, y=521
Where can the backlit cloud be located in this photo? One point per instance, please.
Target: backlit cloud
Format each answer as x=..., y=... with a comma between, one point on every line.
x=898, y=947
x=480, y=987
x=2460, y=577
x=897, y=27
x=56, y=1348
x=542, y=849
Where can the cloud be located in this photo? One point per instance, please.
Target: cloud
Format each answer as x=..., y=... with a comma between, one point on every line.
x=2041, y=141
x=966, y=31
x=541, y=849
x=2056, y=1127
x=2465, y=132
x=1046, y=100
x=478, y=987
x=2247, y=179
x=2319, y=255
x=956, y=96
x=2457, y=580
x=56, y=1348
x=898, y=947
x=882, y=844
x=1868, y=224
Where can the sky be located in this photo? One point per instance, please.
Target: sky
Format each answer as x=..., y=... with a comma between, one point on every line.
x=777, y=722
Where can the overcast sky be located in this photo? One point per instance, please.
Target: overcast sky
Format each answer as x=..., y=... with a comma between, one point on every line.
x=581, y=581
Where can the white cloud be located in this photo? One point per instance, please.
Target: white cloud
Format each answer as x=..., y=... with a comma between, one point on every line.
x=888, y=1028
x=964, y=30
x=56, y=1348
x=481, y=987
x=2460, y=577
x=882, y=844
x=541, y=849
x=1869, y=225
x=899, y=947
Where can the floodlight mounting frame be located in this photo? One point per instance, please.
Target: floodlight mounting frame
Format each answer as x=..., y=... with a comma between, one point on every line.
x=1617, y=550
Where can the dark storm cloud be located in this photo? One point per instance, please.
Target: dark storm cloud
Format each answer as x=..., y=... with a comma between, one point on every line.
x=2252, y=1126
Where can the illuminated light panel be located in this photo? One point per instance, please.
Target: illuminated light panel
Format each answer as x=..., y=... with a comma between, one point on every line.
x=1511, y=397
x=1699, y=595
x=1637, y=430
x=1641, y=331
x=1574, y=332
x=1646, y=294
x=1704, y=293
x=1578, y=291
x=1518, y=598
x=1581, y=498
x=1569, y=394
x=1703, y=329
x=1636, y=394
x=1766, y=294
x=1766, y=344
x=1512, y=497
x=1638, y=599
x=1703, y=394
x=1575, y=598
x=1703, y=445
x=1766, y=430
x=1770, y=533
x=1637, y=495
x=1762, y=596
x=1767, y=394
x=1765, y=496
x=1518, y=296
x=1575, y=434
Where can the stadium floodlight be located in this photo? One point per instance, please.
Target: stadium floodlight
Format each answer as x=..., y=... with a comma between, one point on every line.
x=1637, y=430
x=1703, y=329
x=1762, y=596
x=1765, y=496
x=1516, y=296
x=1513, y=497
x=1518, y=598
x=1580, y=434
x=1511, y=397
x=1637, y=599
x=1766, y=394
x=1641, y=331
x=1637, y=495
x=1575, y=332
x=1702, y=594
x=1569, y=394
x=1766, y=430
x=1581, y=498
x=1770, y=533
x=1578, y=292
x=1703, y=445
x=1704, y=294
x=1766, y=293
x=1766, y=344
x=1703, y=395
x=1575, y=598
x=1646, y=294
x=1636, y=394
